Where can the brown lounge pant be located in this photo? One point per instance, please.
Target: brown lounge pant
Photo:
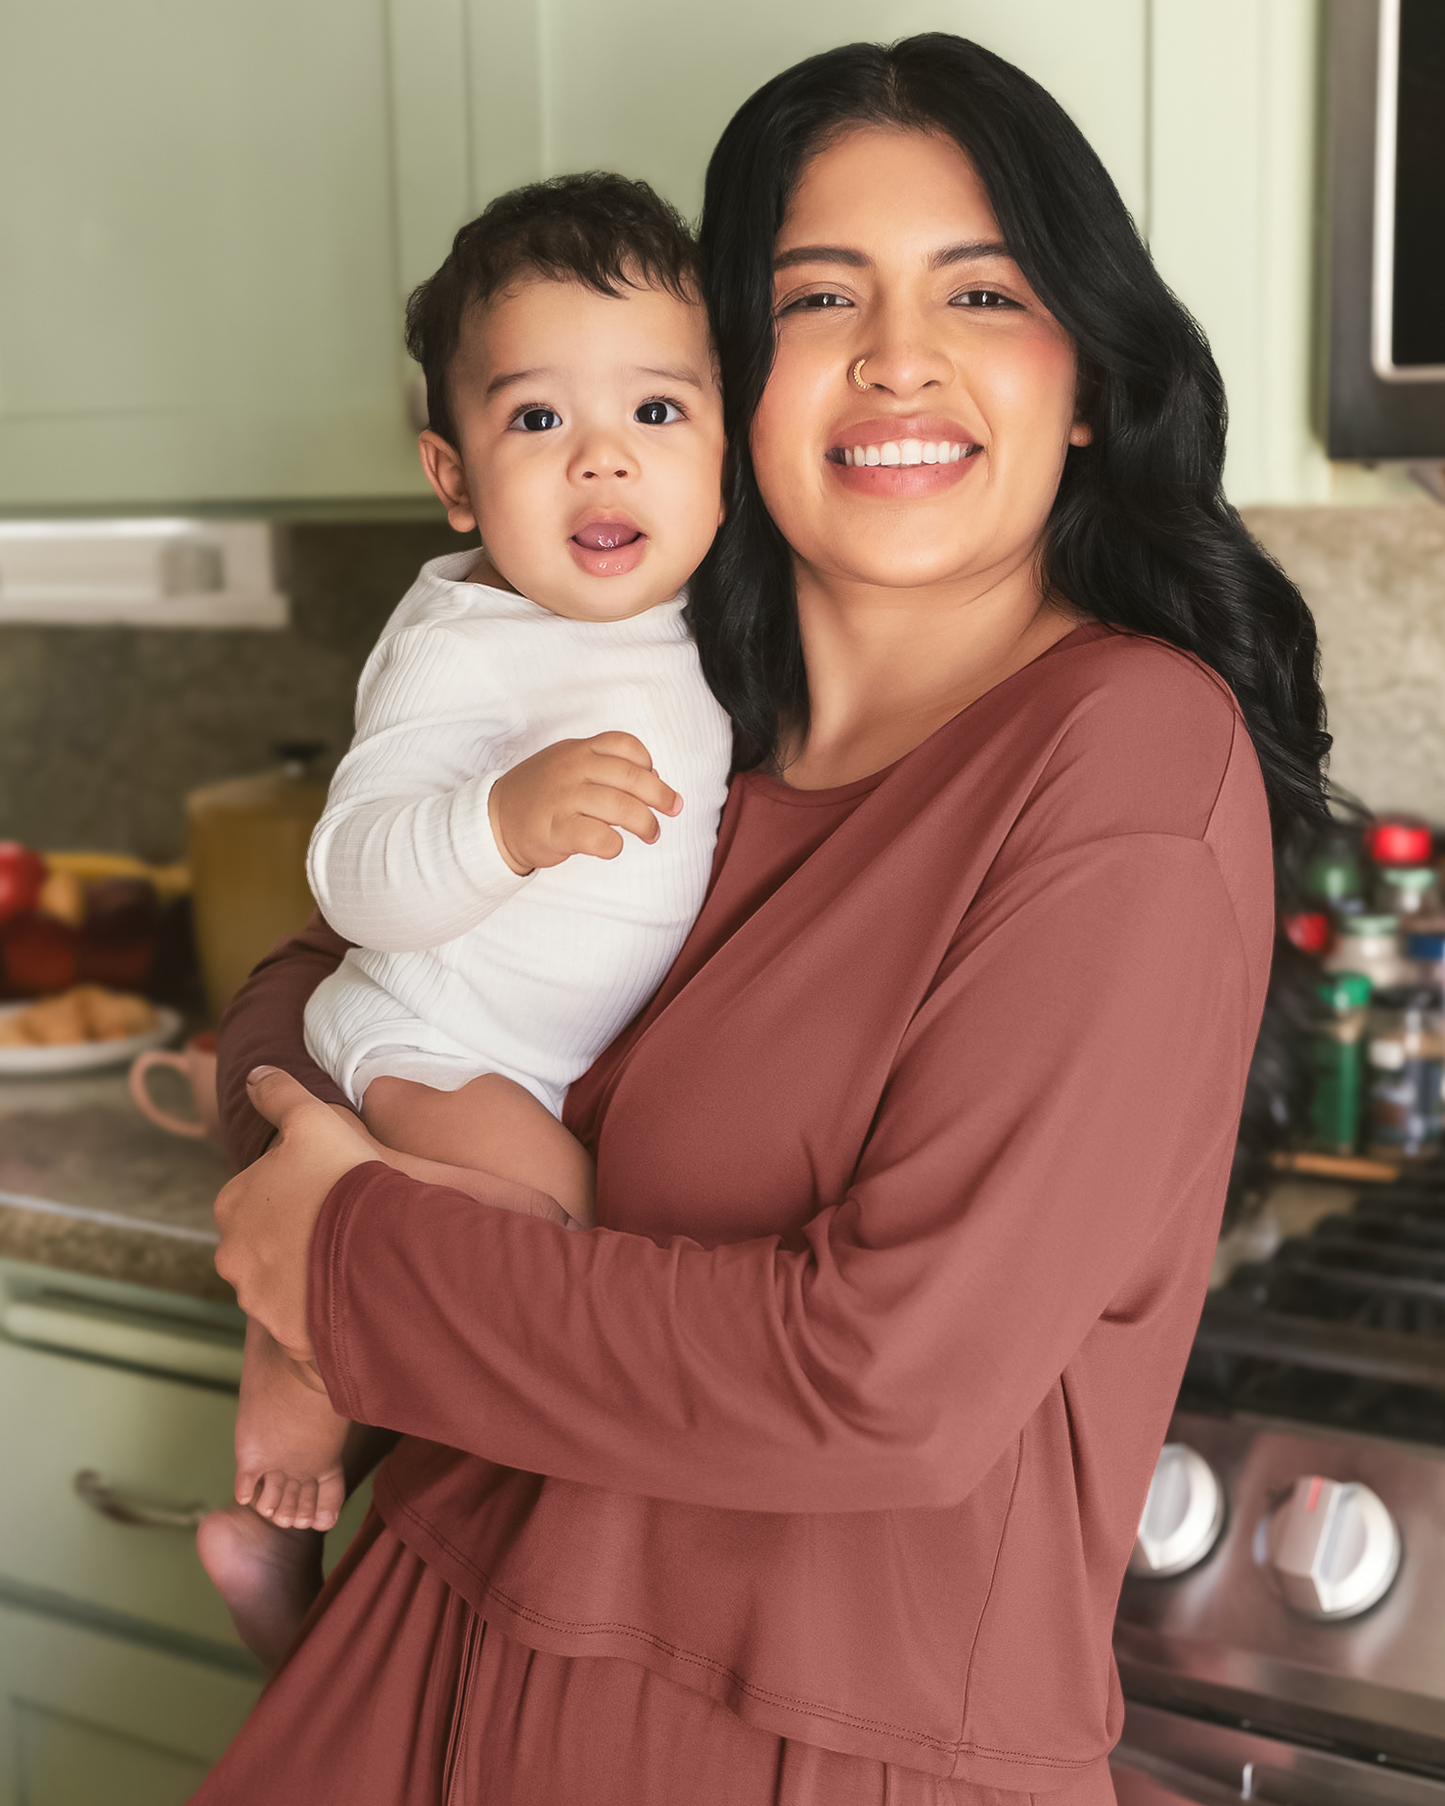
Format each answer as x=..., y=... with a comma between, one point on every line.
x=398, y=1694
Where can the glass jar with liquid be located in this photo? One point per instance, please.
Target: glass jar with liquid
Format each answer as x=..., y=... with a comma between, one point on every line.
x=1406, y=1055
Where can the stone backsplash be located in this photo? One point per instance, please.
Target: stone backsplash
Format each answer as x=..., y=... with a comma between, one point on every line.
x=1375, y=579
x=103, y=730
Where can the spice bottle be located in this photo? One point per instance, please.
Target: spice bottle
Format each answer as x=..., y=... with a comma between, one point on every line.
x=1369, y=944
x=1425, y=950
x=1407, y=891
x=1337, y=1062
x=1307, y=929
x=1333, y=878
x=1400, y=840
x=1406, y=1059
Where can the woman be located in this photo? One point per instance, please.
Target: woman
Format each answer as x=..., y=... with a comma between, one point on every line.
x=812, y=1474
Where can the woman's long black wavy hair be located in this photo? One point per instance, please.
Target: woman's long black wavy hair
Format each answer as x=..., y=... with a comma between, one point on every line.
x=1140, y=535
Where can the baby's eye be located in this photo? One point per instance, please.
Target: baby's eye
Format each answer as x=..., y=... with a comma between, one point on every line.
x=982, y=297
x=658, y=413
x=538, y=420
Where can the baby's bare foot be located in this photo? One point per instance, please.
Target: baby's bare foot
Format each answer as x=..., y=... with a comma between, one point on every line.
x=267, y=1576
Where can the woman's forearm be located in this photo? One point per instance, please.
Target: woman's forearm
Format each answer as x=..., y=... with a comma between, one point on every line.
x=263, y=1026
x=1033, y=1146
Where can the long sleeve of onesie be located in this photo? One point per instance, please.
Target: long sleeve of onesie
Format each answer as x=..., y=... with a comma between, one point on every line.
x=404, y=857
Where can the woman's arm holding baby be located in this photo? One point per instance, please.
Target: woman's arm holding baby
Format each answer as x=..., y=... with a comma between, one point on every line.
x=263, y=1025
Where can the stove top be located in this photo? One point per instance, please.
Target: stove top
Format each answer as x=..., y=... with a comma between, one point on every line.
x=1290, y=1568
x=1343, y=1327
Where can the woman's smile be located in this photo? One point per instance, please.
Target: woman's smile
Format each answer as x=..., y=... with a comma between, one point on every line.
x=900, y=456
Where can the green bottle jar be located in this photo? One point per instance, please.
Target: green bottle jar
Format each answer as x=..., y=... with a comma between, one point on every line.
x=1337, y=1062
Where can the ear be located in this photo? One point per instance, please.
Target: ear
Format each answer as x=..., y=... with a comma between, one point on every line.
x=447, y=475
x=1081, y=433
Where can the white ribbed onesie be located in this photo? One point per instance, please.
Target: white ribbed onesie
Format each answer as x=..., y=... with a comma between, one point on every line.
x=462, y=967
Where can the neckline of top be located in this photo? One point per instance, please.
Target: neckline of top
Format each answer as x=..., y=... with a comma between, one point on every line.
x=779, y=790
x=524, y=606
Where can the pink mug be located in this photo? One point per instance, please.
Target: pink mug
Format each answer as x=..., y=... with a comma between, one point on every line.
x=197, y=1063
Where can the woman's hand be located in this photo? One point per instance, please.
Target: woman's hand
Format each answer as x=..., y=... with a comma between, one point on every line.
x=266, y=1214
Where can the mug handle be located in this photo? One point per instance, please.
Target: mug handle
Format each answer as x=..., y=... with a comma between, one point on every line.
x=162, y=1118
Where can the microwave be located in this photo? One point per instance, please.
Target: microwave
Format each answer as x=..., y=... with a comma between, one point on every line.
x=1385, y=230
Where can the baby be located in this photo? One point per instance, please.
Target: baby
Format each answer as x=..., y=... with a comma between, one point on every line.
x=522, y=832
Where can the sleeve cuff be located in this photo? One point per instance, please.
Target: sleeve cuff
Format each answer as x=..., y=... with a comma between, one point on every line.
x=485, y=865
x=326, y=1316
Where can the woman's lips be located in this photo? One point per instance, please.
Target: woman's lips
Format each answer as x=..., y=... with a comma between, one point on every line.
x=608, y=548
x=915, y=455
x=902, y=454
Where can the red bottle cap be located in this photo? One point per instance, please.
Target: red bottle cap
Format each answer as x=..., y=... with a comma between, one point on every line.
x=1400, y=843
x=1308, y=931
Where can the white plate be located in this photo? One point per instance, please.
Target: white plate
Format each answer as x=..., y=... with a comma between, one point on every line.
x=82, y=1056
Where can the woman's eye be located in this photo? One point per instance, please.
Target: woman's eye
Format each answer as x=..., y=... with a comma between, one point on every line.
x=538, y=420
x=983, y=297
x=658, y=413
x=816, y=303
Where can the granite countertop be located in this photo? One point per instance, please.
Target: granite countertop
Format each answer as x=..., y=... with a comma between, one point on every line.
x=88, y=1184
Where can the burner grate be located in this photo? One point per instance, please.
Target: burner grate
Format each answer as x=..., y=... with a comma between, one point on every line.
x=1344, y=1326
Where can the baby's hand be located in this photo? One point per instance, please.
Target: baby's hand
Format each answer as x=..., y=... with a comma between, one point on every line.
x=573, y=797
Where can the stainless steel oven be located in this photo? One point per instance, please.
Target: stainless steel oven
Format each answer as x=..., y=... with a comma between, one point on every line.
x=1281, y=1635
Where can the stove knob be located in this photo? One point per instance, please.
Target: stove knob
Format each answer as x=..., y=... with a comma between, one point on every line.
x=1183, y=1515
x=1333, y=1546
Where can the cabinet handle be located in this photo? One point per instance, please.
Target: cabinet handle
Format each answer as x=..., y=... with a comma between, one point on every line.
x=130, y=1508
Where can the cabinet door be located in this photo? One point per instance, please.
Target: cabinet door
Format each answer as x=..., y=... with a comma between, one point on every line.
x=88, y=1719
x=199, y=296
x=1232, y=220
x=154, y=1439
x=488, y=94
x=646, y=86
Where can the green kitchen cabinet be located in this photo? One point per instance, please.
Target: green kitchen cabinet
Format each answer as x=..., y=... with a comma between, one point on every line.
x=211, y=211
x=91, y=1719
x=198, y=242
x=121, y=1678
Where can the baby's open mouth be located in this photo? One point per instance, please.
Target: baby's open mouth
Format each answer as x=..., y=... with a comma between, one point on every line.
x=897, y=453
x=606, y=535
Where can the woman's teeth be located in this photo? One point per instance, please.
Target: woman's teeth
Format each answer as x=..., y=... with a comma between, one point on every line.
x=905, y=452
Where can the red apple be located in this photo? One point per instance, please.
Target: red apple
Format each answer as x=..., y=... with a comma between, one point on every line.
x=39, y=954
x=22, y=875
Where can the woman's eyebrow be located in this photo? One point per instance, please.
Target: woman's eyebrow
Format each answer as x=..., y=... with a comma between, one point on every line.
x=856, y=260
x=968, y=252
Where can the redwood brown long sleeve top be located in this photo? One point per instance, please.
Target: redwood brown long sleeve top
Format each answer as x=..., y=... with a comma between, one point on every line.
x=908, y=1185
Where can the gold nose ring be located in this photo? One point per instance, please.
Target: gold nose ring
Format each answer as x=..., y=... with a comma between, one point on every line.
x=857, y=374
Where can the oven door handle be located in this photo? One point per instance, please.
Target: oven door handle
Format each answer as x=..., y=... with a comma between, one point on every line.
x=1187, y=1783
x=1258, y=1781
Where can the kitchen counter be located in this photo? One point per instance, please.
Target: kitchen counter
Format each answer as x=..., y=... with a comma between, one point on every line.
x=89, y=1185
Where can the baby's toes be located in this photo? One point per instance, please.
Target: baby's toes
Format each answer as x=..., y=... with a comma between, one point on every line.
x=330, y=1497
x=305, y=1518
x=285, y=1514
x=269, y=1494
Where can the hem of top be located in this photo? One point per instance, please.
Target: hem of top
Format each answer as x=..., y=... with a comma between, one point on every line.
x=427, y=1542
